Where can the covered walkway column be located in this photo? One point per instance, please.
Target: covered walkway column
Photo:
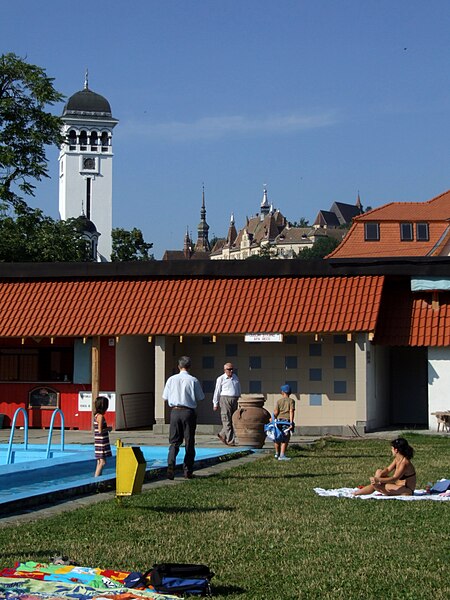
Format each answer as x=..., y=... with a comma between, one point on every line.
x=361, y=381
x=160, y=378
x=95, y=371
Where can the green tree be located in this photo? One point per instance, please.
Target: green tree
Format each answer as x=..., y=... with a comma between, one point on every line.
x=25, y=126
x=265, y=253
x=321, y=248
x=303, y=222
x=129, y=245
x=28, y=235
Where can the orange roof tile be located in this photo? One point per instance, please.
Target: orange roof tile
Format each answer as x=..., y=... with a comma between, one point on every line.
x=194, y=306
x=410, y=319
x=437, y=209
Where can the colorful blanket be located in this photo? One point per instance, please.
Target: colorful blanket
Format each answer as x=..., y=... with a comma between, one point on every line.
x=39, y=581
x=348, y=493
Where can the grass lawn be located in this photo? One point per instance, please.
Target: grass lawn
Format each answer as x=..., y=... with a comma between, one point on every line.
x=265, y=533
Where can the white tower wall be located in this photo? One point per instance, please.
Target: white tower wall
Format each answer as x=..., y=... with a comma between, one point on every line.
x=85, y=164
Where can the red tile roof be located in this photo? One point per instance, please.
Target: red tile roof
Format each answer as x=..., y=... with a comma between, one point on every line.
x=191, y=306
x=412, y=319
x=435, y=212
x=437, y=209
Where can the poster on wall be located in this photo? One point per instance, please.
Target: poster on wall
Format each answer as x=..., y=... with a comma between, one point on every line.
x=85, y=401
x=43, y=397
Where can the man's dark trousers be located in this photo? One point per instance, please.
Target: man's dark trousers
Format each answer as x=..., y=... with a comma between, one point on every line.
x=183, y=422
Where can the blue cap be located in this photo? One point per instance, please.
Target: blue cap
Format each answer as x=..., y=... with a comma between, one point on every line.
x=286, y=388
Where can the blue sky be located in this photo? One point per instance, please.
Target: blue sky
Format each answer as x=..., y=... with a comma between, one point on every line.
x=317, y=99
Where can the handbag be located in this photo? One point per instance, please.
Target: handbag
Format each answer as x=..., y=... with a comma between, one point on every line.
x=276, y=430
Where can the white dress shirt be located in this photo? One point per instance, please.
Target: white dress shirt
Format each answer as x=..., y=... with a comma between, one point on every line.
x=226, y=386
x=183, y=389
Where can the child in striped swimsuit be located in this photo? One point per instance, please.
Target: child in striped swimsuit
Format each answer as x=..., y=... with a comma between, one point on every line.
x=101, y=434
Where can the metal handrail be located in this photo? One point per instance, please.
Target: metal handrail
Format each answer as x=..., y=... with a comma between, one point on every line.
x=50, y=433
x=11, y=435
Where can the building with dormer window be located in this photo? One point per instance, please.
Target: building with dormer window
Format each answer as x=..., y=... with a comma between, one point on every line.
x=400, y=229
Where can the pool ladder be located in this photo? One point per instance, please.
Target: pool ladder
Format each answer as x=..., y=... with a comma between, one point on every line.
x=50, y=433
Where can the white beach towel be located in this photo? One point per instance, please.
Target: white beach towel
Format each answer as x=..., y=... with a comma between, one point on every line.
x=348, y=493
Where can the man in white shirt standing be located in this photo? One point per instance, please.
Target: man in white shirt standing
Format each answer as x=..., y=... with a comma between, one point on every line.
x=182, y=392
x=226, y=394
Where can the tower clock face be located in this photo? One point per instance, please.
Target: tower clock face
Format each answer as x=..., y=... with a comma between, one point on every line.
x=89, y=163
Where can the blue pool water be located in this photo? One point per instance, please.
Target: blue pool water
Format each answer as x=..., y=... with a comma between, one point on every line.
x=71, y=472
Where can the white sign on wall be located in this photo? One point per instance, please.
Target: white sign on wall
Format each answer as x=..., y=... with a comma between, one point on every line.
x=263, y=337
x=85, y=401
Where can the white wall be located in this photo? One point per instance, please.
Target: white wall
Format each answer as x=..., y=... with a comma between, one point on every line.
x=438, y=382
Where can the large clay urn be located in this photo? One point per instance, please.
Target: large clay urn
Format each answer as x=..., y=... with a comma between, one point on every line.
x=249, y=420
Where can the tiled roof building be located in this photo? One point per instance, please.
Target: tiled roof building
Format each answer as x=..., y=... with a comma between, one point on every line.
x=363, y=343
x=270, y=231
x=339, y=215
x=400, y=229
x=201, y=249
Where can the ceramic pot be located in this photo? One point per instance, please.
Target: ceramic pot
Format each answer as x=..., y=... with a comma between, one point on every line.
x=249, y=420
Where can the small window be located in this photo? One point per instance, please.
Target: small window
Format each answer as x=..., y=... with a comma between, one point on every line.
x=94, y=140
x=339, y=339
x=105, y=141
x=290, y=362
x=208, y=362
x=83, y=140
x=293, y=385
x=231, y=350
x=315, y=399
x=254, y=362
x=72, y=139
x=208, y=386
x=315, y=349
x=422, y=232
x=340, y=362
x=315, y=374
x=371, y=232
x=290, y=339
x=406, y=232
x=340, y=387
x=254, y=387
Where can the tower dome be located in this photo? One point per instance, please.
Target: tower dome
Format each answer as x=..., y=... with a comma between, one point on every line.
x=85, y=225
x=87, y=103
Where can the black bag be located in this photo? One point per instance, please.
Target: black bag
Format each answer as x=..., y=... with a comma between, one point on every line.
x=183, y=579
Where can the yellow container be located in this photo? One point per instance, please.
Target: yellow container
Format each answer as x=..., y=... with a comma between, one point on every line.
x=130, y=470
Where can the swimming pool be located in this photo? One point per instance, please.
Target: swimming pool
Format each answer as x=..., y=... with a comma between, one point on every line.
x=32, y=479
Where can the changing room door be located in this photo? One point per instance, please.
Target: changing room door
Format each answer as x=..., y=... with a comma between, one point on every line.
x=409, y=386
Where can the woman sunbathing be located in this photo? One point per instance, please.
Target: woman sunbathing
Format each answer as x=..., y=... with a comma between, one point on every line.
x=399, y=478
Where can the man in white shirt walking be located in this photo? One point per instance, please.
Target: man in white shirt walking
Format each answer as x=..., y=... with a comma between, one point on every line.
x=182, y=392
x=226, y=394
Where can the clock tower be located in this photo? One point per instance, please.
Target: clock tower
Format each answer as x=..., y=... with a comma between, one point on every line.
x=85, y=164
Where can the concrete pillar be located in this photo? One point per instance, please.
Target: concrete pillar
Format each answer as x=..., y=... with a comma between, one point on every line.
x=361, y=380
x=160, y=378
x=95, y=366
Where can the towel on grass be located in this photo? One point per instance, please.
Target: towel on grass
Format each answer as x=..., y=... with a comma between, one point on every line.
x=348, y=493
x=16, y=588
x=42, y=581
x=102, y=579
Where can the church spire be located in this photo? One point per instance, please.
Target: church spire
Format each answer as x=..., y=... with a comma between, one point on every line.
x=202, y=244
x=265, y=207
x=232, y=233
x=86, y=80
x=358, y=204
